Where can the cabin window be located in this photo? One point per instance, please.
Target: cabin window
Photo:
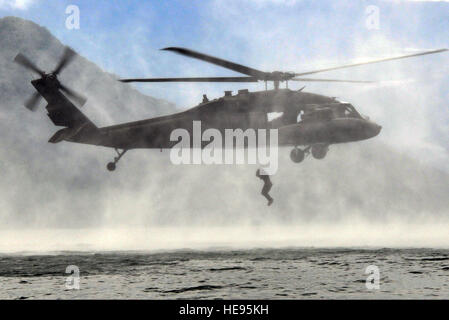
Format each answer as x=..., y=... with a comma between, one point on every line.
x=274, y=115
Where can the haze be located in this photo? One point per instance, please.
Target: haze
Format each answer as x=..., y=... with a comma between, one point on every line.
x=389, y=191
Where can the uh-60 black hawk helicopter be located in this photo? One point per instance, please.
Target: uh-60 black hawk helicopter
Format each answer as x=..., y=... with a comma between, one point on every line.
x=323, y=121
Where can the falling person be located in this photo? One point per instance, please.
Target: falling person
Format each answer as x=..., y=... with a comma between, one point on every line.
x=266, y=187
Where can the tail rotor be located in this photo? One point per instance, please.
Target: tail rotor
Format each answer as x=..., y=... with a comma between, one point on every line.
x=67, y=57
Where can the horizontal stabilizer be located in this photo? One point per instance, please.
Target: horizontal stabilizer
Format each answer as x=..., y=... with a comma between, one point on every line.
x=58, y=136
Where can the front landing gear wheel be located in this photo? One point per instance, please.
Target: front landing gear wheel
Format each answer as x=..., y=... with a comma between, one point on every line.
x=111, y=166
x=297, y=155
x=319, y=151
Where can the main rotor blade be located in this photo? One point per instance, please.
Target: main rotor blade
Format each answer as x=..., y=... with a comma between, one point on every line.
x=330, y=80
x=67, y=57
x=25, y=62
x=373, y=61
x=205, y=79
x=78, y=98
x=33, y=102
x=219, y=62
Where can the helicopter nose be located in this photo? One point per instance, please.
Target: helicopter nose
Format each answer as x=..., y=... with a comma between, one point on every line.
x=379, y=127
x=375, y=128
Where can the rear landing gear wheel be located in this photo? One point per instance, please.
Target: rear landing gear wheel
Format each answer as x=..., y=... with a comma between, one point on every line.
x=111, y=166
x=297, y=155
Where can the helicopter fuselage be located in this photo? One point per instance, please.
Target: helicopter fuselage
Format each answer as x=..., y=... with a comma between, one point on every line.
x=324, y=121
x=297, y=118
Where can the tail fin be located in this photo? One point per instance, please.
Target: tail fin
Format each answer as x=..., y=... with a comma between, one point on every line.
x=63, y=113
x=61, y=110
x=67, y=115
x=78, y=126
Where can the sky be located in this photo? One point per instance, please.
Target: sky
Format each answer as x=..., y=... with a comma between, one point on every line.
x=123, y=37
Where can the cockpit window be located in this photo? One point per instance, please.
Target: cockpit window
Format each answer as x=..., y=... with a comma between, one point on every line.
x=351, y=112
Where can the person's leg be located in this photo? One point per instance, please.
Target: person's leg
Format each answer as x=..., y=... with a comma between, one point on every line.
x=270, y=199
x=266, y=188
x=264, y=191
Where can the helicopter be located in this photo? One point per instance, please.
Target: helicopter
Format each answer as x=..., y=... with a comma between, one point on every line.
x=308, y=122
